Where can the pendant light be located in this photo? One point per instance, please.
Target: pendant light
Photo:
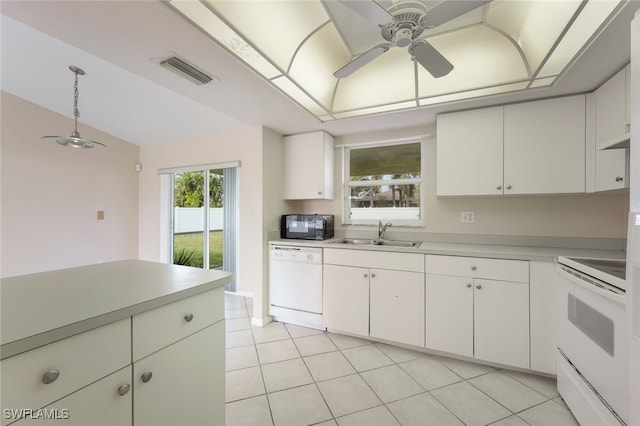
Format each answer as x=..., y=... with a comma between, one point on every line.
x=75, y=140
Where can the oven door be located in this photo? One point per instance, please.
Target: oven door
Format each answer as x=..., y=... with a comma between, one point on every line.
x=594, y=336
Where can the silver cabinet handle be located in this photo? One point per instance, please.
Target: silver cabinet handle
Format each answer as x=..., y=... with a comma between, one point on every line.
x=508, y=186
x=469, y=285
x=124, y=389
x=188, y=317
x=319, y=192
x=50, y=376
x=499, y=187
x=146, y=376
x=473, y=268
x=619, y=179
x=478, y=286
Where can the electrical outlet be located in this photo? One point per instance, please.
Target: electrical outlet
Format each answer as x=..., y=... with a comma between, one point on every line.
x=467, y=217
x=100, y=214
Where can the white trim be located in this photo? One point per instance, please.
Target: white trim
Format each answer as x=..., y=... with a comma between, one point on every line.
x=199, y=168
x=388, y=142
x=381, y=182
x=261, y=322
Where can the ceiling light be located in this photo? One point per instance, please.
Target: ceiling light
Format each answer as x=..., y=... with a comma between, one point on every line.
x=75, y=140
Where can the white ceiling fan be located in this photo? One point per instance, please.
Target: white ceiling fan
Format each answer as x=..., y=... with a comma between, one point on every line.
x=402, y=25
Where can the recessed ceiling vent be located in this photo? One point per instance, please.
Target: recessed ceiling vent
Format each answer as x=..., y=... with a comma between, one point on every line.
x=188, y=71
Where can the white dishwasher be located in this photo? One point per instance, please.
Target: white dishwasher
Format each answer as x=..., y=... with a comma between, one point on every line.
x=295, y=285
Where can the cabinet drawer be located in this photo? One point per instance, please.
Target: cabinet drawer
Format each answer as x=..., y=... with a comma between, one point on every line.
x=476, y=267
x=80, y=360
x=158, y=328
x=412, y=262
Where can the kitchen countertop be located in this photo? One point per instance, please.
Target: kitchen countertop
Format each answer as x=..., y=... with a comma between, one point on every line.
x=41, y=308
x=497, y=251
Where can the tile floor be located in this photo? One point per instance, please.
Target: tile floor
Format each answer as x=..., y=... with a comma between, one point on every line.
x=284, y=374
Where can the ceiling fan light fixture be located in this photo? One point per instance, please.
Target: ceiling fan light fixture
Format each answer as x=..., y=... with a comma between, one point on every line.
x=74, y=140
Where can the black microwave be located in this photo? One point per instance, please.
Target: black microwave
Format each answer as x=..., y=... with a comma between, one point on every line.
x=307, y=226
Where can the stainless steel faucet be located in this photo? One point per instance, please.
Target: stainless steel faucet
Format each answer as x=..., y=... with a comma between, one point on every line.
x=382, y=229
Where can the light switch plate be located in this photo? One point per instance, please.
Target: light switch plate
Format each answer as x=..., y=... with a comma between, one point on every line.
x=100, y=214
x=467, y=217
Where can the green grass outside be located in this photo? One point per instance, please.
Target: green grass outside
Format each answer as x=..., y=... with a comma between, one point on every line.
x=183, y=244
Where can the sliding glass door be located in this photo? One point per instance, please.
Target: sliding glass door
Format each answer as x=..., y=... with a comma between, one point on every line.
x=204, y=219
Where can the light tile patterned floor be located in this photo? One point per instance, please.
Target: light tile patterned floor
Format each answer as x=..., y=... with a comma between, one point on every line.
x=283, y=374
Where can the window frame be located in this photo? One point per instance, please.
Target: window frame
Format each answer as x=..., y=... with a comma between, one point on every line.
x=347, y=184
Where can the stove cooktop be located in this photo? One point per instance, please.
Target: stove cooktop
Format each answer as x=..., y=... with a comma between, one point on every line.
x=617, y=268
x=610, y=271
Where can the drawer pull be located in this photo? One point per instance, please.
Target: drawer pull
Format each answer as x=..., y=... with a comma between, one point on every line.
x=373, y=275
x=478, y=286
x=473, y=268
x=188, y=317
x=50, y=376
x=124, y=389
x=619, y=179
x=146, y=376
x=469, y=285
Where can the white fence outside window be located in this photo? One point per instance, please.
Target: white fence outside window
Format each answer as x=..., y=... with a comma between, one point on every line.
x=189, y=219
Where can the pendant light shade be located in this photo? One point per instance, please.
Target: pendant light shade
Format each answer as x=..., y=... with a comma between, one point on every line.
x=75, y=140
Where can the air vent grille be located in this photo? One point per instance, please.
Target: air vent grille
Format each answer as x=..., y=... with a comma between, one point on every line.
x=186, y=70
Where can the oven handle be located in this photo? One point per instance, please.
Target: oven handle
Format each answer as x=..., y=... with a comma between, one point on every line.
x=593, y=285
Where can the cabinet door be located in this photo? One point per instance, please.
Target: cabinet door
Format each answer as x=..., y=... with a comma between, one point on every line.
x=544, y=146
x=449, y=316
x=397, y=306
x=187, y=382
x=469, y=155
x=611, y=108
x=308, y=166
x=346, y=299
x=99, y=404
x=611, y=119
x=501, y=322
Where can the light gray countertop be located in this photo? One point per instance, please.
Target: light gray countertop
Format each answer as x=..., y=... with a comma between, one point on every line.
x=498, y=251
x=41, y=308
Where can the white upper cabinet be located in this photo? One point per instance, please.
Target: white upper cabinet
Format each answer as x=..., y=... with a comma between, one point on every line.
x=612, y=110
x=611, y=166
x=308, y=166
x=527, y=148
x=469, y=157
x=544, y=146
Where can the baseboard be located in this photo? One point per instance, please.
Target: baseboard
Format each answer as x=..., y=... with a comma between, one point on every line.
x=261, y=322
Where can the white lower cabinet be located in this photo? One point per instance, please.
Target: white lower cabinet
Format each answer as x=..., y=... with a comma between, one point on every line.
x=449, y=322
x=374, y=294
x=182, y=384
x=176, y=376
x=397, y=306
x=345, y=300
x=468, y=313
x=501, y=322
x=106, y=402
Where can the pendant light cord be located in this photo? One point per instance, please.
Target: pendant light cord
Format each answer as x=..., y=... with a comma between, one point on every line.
x=76, y=112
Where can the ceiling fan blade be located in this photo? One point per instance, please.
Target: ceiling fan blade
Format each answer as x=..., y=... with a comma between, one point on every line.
x=432, y=60
x=448, y=10
x=361, y=61
x=369, y=9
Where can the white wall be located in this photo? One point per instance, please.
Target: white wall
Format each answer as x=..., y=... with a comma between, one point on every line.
x=601, y=215
x=50, y=194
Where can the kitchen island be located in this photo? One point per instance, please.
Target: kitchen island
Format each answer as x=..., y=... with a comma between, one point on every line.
x=76, y=341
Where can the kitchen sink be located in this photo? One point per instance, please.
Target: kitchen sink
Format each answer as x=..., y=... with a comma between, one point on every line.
x=366, y=242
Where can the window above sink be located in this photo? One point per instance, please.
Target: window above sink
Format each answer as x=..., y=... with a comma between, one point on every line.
x=383, y=182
